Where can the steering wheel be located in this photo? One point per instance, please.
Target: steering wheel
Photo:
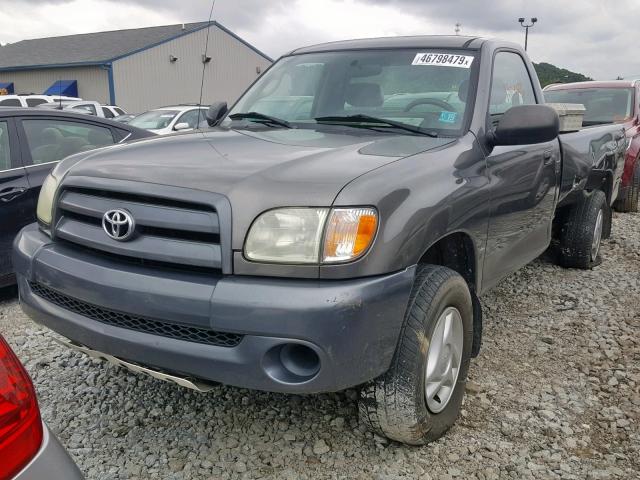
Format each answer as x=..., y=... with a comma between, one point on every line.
x=430, y=101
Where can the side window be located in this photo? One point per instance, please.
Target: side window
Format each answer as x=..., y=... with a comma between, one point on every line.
x=52, y=139
x=34, y=102
x=192, y=117
x=5, y=152
x=510, y=85
x=107, y=112
x=10, y=102
x=119, y=111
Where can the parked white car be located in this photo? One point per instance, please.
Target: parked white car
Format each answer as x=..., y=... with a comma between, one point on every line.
x=88, y=107
x=32, y=100
x=177, y=118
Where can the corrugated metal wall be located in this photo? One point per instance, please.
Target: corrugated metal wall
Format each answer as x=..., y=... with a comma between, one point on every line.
x=148, y=79
x=93, y=82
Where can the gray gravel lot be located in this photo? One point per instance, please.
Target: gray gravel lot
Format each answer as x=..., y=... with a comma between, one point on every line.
x=555, y=393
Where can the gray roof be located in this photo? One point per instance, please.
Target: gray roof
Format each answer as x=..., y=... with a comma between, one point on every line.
x=423, y=41
x=94, y=48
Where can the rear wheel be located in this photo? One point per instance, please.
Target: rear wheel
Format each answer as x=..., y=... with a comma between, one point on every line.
x=628, y=202
x=582, y=232
x=419, y=398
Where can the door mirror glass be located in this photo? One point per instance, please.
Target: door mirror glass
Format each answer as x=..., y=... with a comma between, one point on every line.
x=526, y=124
x=216, y=111
x=181, y=126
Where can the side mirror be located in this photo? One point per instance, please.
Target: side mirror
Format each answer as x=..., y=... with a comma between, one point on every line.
x=526, y=124
x=181, y=126
x=216, y=111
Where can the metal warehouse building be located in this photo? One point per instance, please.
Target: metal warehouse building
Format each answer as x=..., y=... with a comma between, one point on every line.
x=137, y=69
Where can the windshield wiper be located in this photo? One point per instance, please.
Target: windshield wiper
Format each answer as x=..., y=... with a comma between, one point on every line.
x=362, y=118
x=260, y=117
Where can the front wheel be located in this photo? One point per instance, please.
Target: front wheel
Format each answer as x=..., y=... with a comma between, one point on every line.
x=418, y=399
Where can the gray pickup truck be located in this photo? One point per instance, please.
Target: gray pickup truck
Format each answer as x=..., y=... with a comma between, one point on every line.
x=334, y=229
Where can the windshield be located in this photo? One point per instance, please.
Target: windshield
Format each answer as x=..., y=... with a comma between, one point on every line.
x=603, y=105
x=155, y=119
x=422, y=88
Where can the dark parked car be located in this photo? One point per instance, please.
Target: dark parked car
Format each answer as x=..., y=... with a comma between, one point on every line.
x=334, y=230
x=32, y=141
x=614, y=101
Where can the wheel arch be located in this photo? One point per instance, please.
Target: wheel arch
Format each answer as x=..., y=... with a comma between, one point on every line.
x=457, y=251
x=601, y=180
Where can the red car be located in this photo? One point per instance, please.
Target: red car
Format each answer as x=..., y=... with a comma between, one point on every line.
x=615, y=101
x=28, y=449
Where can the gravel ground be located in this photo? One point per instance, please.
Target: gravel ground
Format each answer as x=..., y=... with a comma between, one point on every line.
x=555, y=393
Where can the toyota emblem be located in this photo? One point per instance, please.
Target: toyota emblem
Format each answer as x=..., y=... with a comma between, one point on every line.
x=118, y=224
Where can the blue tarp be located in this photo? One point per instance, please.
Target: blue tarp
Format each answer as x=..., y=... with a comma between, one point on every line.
x=8, y=86
x=68, y=88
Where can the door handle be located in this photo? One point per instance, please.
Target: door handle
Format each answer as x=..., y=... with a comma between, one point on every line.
x=548, y=157
x=9, y=194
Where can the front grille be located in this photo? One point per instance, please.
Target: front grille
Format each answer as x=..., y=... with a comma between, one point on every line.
x=133, y=322
x=170, y=232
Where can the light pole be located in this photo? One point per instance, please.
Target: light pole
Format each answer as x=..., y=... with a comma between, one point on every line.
x=526, y=29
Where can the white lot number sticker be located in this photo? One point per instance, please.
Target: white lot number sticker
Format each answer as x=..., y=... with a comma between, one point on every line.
x=443, y=59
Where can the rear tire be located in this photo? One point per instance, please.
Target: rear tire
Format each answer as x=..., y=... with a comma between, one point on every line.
x=418, y=399
x=629, y=201
x=582, y=232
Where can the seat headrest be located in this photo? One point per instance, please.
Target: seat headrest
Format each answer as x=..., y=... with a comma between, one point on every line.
x=463, y=91
x=498, y=92
x=364, y=95
x=50, y=136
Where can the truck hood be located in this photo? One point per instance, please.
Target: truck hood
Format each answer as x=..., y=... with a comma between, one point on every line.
x=255, y=170
x=314, y=164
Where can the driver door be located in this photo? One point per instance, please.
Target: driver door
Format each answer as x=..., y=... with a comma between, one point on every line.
x=524, y=179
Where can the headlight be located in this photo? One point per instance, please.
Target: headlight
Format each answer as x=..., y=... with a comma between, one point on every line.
x=287, y=235
x=44, y=211
x=311, y=235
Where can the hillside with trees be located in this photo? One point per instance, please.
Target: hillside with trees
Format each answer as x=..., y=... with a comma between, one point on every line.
x=548, y=73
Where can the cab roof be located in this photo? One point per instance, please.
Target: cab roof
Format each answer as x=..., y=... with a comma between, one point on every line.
x=423, y=41
x=593, y=84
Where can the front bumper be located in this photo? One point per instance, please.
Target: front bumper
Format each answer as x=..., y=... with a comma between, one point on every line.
x=51, y=461
x=352, y=326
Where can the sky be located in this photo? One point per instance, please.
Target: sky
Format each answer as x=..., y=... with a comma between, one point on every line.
x=593, y=37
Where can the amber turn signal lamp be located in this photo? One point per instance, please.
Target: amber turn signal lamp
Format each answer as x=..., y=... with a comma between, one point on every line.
x=349, y=233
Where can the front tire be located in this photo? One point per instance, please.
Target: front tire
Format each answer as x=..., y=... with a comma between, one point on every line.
x=418, y=399
x=582, y=231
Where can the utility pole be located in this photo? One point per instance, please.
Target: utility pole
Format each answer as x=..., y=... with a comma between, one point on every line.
x=526, y=29
x=458, y=25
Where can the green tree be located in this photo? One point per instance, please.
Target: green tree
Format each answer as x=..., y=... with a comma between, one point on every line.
x=548, y=73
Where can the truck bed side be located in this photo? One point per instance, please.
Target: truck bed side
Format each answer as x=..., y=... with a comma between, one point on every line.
x=591, y=158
